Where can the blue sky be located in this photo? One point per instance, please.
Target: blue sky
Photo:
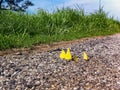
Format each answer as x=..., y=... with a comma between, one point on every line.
x=110, y=6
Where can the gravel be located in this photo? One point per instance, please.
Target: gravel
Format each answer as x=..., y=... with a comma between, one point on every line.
x=46, y=71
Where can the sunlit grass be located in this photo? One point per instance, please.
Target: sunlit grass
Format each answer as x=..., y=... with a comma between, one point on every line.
x=23, y=30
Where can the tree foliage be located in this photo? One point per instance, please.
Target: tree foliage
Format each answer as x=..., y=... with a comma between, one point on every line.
x=15, y=5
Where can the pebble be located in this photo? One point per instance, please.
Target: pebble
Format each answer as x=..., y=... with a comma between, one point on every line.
x=37, y=83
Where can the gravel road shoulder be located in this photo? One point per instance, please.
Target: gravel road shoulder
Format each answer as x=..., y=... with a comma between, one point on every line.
x=42, y=69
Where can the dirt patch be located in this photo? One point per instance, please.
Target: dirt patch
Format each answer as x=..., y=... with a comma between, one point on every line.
x=47, y=47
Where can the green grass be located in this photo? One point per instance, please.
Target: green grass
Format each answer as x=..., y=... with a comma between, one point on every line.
x=24, y=30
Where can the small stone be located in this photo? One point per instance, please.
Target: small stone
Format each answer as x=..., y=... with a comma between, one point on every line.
x=75, y=88
x=12, y=82
x=29, y=85
x=19, y=53
x=37, y=83
x=118, y=82
x=18, y=87
x=119, y=68
x=2, y=78
x=18, y=69
x=88, y=86
x=12, y=65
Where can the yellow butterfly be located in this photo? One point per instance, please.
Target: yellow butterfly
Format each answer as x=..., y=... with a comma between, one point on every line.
x=67, y=56
x=62, y=54
x=75, y=58
x=85, y=56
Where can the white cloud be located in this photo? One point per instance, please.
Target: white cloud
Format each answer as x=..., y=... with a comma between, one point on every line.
x=112, y=7
x=70, y=3
x=88, y=5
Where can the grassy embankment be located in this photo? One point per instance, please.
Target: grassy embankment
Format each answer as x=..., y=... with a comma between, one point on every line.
x=22, y=30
